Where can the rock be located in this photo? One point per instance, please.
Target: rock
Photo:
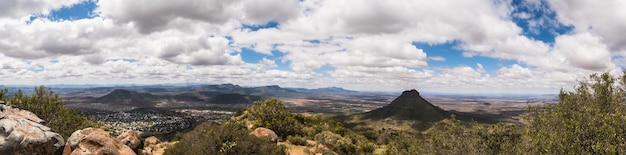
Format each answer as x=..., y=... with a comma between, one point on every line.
x=130, y=138
x=21, y=132
x=95, y=141
x=153, y=146
x=265, y=133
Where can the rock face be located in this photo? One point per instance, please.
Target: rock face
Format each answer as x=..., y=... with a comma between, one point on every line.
x=21, y=132
x=265, y=133
x=130, y=138
x=153, y=146
x=95, y=141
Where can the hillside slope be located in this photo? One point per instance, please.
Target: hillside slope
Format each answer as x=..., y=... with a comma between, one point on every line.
x=128, y=97
x=407, y=112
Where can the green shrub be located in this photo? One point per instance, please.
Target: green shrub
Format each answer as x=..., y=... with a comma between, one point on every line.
x=48, y=106
x=589, y=120
x=336, y=142
x=208, y=138
x=297, y=140
x=272, y=114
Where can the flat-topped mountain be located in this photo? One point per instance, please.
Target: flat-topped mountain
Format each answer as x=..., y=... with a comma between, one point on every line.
x=408, y=111
x=408, y=106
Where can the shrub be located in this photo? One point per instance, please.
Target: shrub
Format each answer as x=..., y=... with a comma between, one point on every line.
x=588, y=120
x=208, y=138
x=336, y=142
x=48, y=106
x=297, y=140
x=272, y=114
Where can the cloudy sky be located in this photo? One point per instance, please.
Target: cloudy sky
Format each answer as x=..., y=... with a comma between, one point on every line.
x=454, y=46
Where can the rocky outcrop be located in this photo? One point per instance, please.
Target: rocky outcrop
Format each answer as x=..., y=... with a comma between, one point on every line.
x=153, y=146
x=95, y=141
x=22, y=132
x=130, y=138
x=265, y=133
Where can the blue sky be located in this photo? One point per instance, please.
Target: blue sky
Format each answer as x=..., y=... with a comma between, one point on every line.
x=483, y=46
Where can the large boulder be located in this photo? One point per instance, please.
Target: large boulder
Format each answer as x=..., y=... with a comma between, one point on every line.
x=265, y=133
x=153, y=146
x=130, y=138
x=95, y=141
x=22, y=132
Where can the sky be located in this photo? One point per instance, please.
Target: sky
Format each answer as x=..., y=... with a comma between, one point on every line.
x=450, y=46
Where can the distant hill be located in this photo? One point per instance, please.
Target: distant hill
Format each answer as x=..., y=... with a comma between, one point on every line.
x=408, y=111
x=327, y=90
x=128, y=97
x=230, y=98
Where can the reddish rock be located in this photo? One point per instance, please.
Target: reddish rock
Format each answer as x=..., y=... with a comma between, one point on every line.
x=95, y=141
x=265, y=133
x=153, y=146
x=130, y=138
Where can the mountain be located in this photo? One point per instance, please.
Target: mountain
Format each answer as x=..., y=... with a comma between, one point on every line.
x=272, y=90
x=327, y=90
x=408, y=111
x=408, y=106
x=127, y=97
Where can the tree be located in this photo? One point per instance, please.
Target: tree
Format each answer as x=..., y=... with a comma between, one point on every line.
x=272, y=114
x=589, y=120
x=48, y=106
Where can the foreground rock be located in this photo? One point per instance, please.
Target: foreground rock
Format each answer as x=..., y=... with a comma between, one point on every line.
x=95, y=141
x=21, y=132
x=265, y=133
x=130, y=138
x=153, y=146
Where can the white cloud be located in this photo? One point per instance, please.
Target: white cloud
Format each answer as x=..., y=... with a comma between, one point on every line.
x=154, y=15
x=584, y=51
x=23, y=9
x=369, y=44
x=198, y=51
x=603, y=18
x=437, y=58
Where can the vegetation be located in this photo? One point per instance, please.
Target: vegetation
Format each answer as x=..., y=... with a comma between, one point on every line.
x=48, y=106
x=216, y=139
x=589, y=120
x=297, y=140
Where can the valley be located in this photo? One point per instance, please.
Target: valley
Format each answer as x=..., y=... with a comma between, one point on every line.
x=166, y=109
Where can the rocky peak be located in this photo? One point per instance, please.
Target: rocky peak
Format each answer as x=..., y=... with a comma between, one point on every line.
x=411, y=92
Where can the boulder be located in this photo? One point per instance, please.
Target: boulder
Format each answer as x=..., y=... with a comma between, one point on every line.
x=95, y=141
x=265, y=133
x=153, y=146
x=22, y=132
x=130, y=138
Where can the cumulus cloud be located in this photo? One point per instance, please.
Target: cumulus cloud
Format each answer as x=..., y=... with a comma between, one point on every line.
x=23, y=9
x=369, y=45
x=584, y=51
x=603, y=18
x=149, y=15
x=198, y=51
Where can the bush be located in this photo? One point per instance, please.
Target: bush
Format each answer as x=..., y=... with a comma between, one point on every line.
x=272, y=114
x=48, y=106
x=336, y=142
x=209, y=138
x=589, y=120
x=297, y=140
